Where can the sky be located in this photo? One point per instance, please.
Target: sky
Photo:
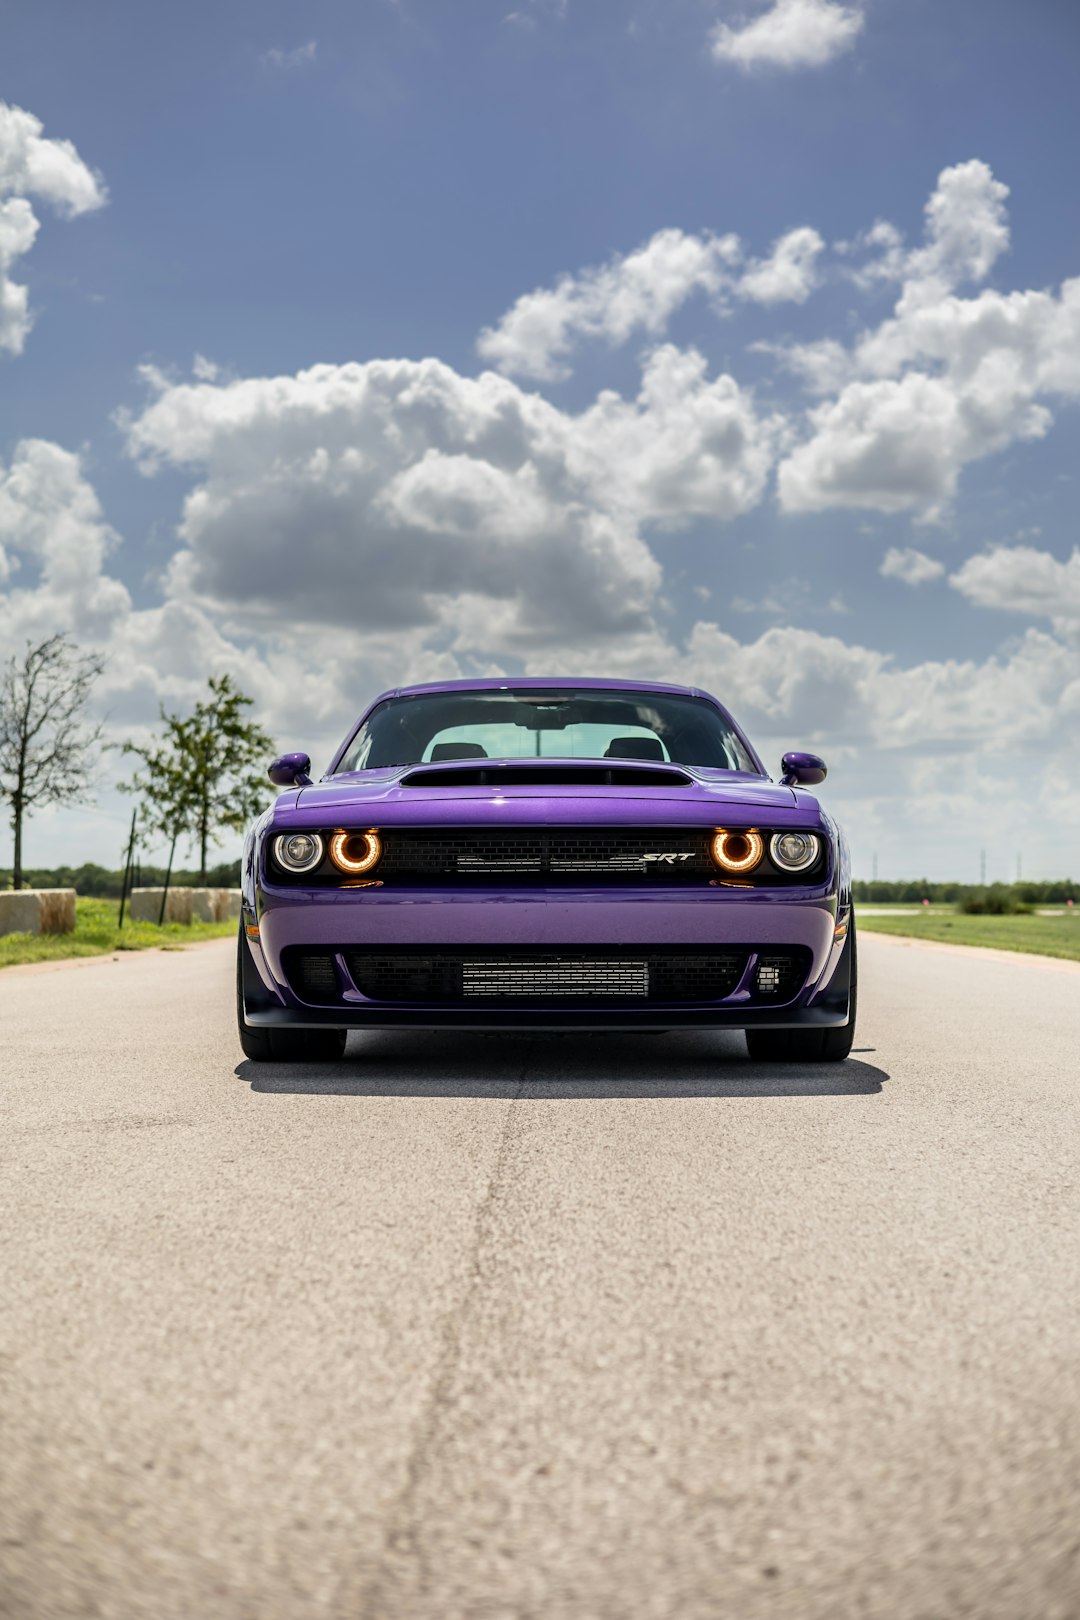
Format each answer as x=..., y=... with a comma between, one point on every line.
x=734, y=344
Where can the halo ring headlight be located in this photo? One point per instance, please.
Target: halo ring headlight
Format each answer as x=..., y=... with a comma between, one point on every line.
x=794, y=851
x=355, y=852
x=298, y=851
x=737, y=849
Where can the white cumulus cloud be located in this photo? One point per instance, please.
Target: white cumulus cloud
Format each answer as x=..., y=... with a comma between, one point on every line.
x=1024, y=579
x=967, y=227
x=688, y=446
x=790, y=34
x=54, y=541
x=638, y=291
x=373, y=495
x=399, y=493
x=32, y=165
x=946, y=380
x=789, y=274
x=910, y=565
x=55, y=550
x=966, y=232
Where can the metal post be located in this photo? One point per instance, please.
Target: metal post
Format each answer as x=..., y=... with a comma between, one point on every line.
x=168, y=875
x=127, y=870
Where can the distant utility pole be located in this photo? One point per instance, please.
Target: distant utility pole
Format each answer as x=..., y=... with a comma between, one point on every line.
x=982, y=867
x=875, y=866
x=1018, y=868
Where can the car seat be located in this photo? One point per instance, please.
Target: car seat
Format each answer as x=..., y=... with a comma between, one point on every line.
x=457, y=750
x=634, y=748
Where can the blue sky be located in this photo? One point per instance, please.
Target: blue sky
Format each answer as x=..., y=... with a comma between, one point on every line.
x=629, y=473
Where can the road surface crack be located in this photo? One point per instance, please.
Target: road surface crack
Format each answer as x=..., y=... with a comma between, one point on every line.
x=403, y=1549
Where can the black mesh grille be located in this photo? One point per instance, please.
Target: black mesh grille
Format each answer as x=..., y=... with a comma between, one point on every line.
x=561, y=855
x=515, y=975
x=314, y=976
x=778, y=977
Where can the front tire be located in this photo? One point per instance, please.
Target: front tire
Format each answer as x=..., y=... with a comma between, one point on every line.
x=281, y=1045
x=810, y=1045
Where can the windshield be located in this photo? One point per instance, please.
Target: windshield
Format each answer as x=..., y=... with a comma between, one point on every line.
x=563, y=724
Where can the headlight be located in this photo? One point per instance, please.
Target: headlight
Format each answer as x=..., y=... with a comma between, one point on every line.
x=794, y=851
x=355, y=852
x=298, y=852
x=737, y=851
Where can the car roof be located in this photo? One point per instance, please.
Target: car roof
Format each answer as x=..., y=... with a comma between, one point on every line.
x=510, y=683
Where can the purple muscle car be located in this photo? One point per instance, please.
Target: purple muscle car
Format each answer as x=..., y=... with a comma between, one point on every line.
x=546, y=854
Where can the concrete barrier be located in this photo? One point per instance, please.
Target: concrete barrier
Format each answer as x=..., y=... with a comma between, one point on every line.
x=215, y=905
x=37, y=911
x=185, y=905
x=144, y=905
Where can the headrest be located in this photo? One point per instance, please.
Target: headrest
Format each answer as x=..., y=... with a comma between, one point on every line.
x=634, y=748
x=457, y=750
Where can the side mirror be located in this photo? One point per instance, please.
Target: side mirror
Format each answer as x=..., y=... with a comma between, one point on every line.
x=802, y=770
x=291, y=770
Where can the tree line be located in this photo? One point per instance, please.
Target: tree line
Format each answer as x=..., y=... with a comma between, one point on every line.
x=916, y=890
x=203, y=776
x=96, y=882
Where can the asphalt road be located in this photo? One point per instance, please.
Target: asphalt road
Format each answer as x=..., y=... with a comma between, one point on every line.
x=601, y=1329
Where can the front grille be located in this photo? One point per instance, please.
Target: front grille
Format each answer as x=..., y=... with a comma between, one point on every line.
x=561, y=855
x=565, y=976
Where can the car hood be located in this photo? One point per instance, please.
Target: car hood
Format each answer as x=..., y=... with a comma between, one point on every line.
x=545, y=792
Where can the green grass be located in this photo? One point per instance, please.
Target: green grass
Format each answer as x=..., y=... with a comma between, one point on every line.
x=897, y=905
x=1045, y=936
x=96, y=934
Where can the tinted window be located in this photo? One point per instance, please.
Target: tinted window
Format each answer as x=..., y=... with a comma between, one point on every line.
x=561, y=724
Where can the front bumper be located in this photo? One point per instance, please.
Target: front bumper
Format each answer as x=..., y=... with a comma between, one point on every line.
x=498, y=920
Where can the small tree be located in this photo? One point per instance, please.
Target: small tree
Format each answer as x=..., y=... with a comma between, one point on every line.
x=46, y=746
x=208, y=775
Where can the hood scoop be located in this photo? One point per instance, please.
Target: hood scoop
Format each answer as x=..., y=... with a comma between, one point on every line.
x=546, y=773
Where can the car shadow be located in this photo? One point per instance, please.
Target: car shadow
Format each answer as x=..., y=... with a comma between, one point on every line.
x=432, y=1063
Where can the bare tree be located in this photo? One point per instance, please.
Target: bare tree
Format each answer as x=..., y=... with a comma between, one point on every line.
x=46, y=745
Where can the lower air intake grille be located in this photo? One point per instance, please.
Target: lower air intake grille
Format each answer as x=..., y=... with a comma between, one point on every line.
x=314, y=977
x=570, y=975
x=778, y=977
x=566, y=976
x=549, y=976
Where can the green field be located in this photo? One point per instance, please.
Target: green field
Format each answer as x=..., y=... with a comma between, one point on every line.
x=96, y=934
x=1045, y=936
